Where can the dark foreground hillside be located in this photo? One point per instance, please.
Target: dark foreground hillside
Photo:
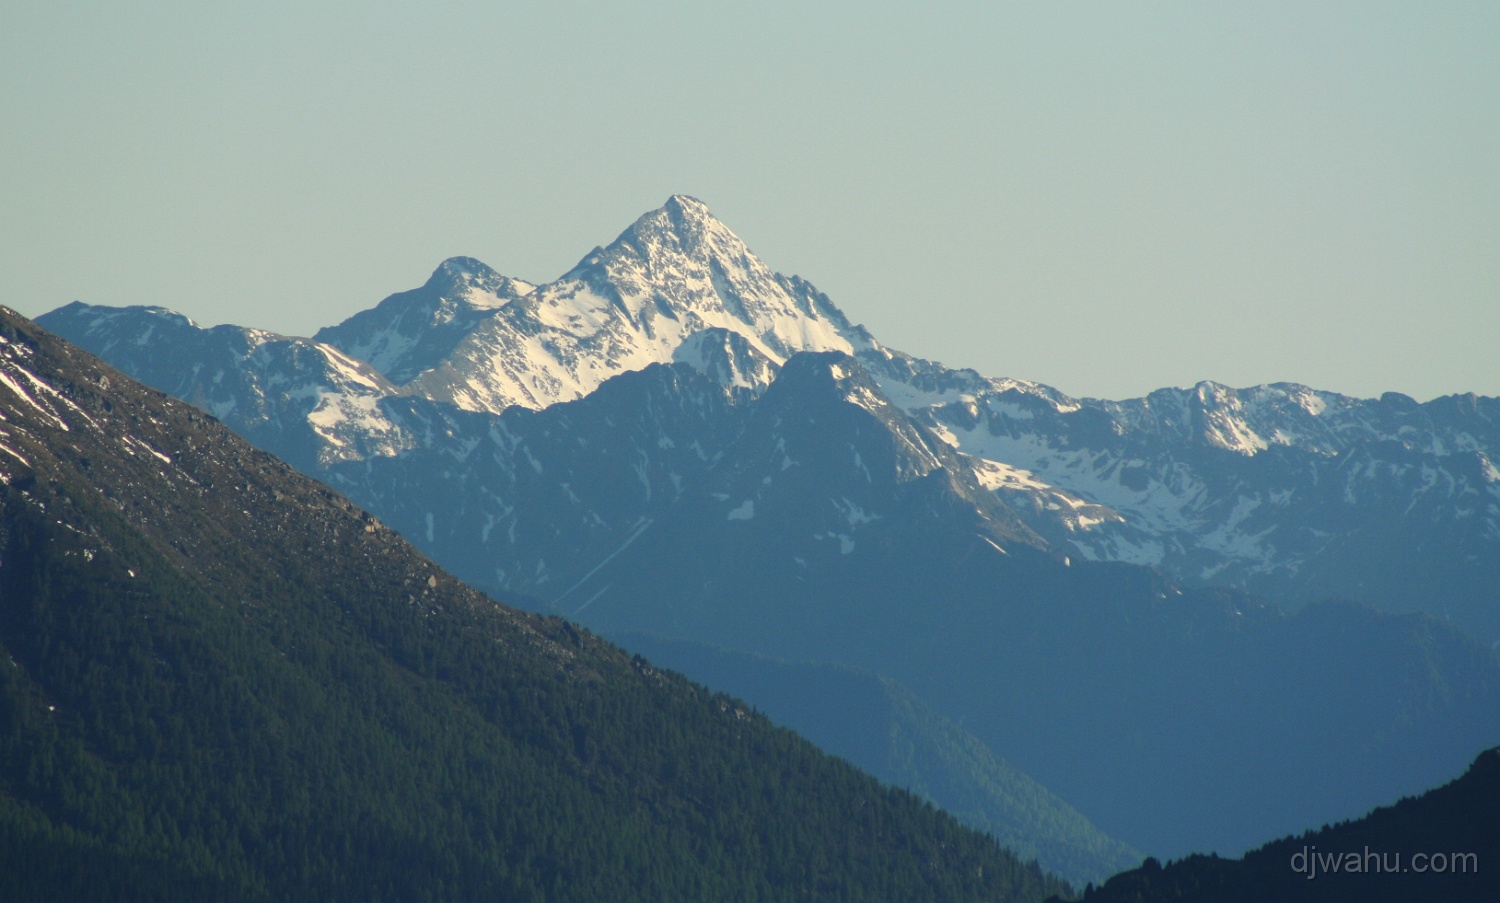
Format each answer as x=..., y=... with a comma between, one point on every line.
x=220, y=681
x=1442, y=845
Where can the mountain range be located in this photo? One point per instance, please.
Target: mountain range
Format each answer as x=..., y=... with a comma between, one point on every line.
x=1291, y=492
x=1122, y=599
x=222, y=681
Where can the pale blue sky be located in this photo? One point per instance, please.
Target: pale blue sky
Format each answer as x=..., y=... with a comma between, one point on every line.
x=1107, y=198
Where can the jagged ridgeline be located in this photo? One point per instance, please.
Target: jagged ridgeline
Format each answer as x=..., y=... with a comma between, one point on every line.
x=1291, y=492
x=221, y=681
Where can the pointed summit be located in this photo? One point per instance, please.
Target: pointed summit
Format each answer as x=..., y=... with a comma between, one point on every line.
x=690, y=221
x=474, y=282
x=686, y=204
x=675, y=273
x=684, y=214
x=683, y=208
x=682, y=229
x=413, y=331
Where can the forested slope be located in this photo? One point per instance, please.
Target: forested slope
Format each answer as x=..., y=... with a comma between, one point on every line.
x=222, y=681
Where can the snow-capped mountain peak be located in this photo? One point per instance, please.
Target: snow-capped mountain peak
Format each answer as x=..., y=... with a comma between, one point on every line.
x=681, y=262
x=676, y=272
x=411, y=332
x=476, y=284
x=683, y=225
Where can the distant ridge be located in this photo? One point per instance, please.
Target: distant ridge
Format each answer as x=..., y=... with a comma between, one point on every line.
x=1291, y=492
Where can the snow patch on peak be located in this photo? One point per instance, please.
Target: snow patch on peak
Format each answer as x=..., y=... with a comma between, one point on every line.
x=476, y=282
x=863, y=396
x=1311, y=402
x=994, y=475
x=727, y=357
x=349, y=368
x=1487, y=469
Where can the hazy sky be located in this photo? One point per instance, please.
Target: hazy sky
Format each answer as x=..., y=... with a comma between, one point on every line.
x=1107, y=198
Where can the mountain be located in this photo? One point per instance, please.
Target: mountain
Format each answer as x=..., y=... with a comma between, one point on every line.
x=673, y=275
x=1436, y=846
x=598, y=486
x=832, y=529
x=1293, y=493
x=816, y=521
x=305, y=401
x=223, y=681
x=412, y=332
x=704, y=451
